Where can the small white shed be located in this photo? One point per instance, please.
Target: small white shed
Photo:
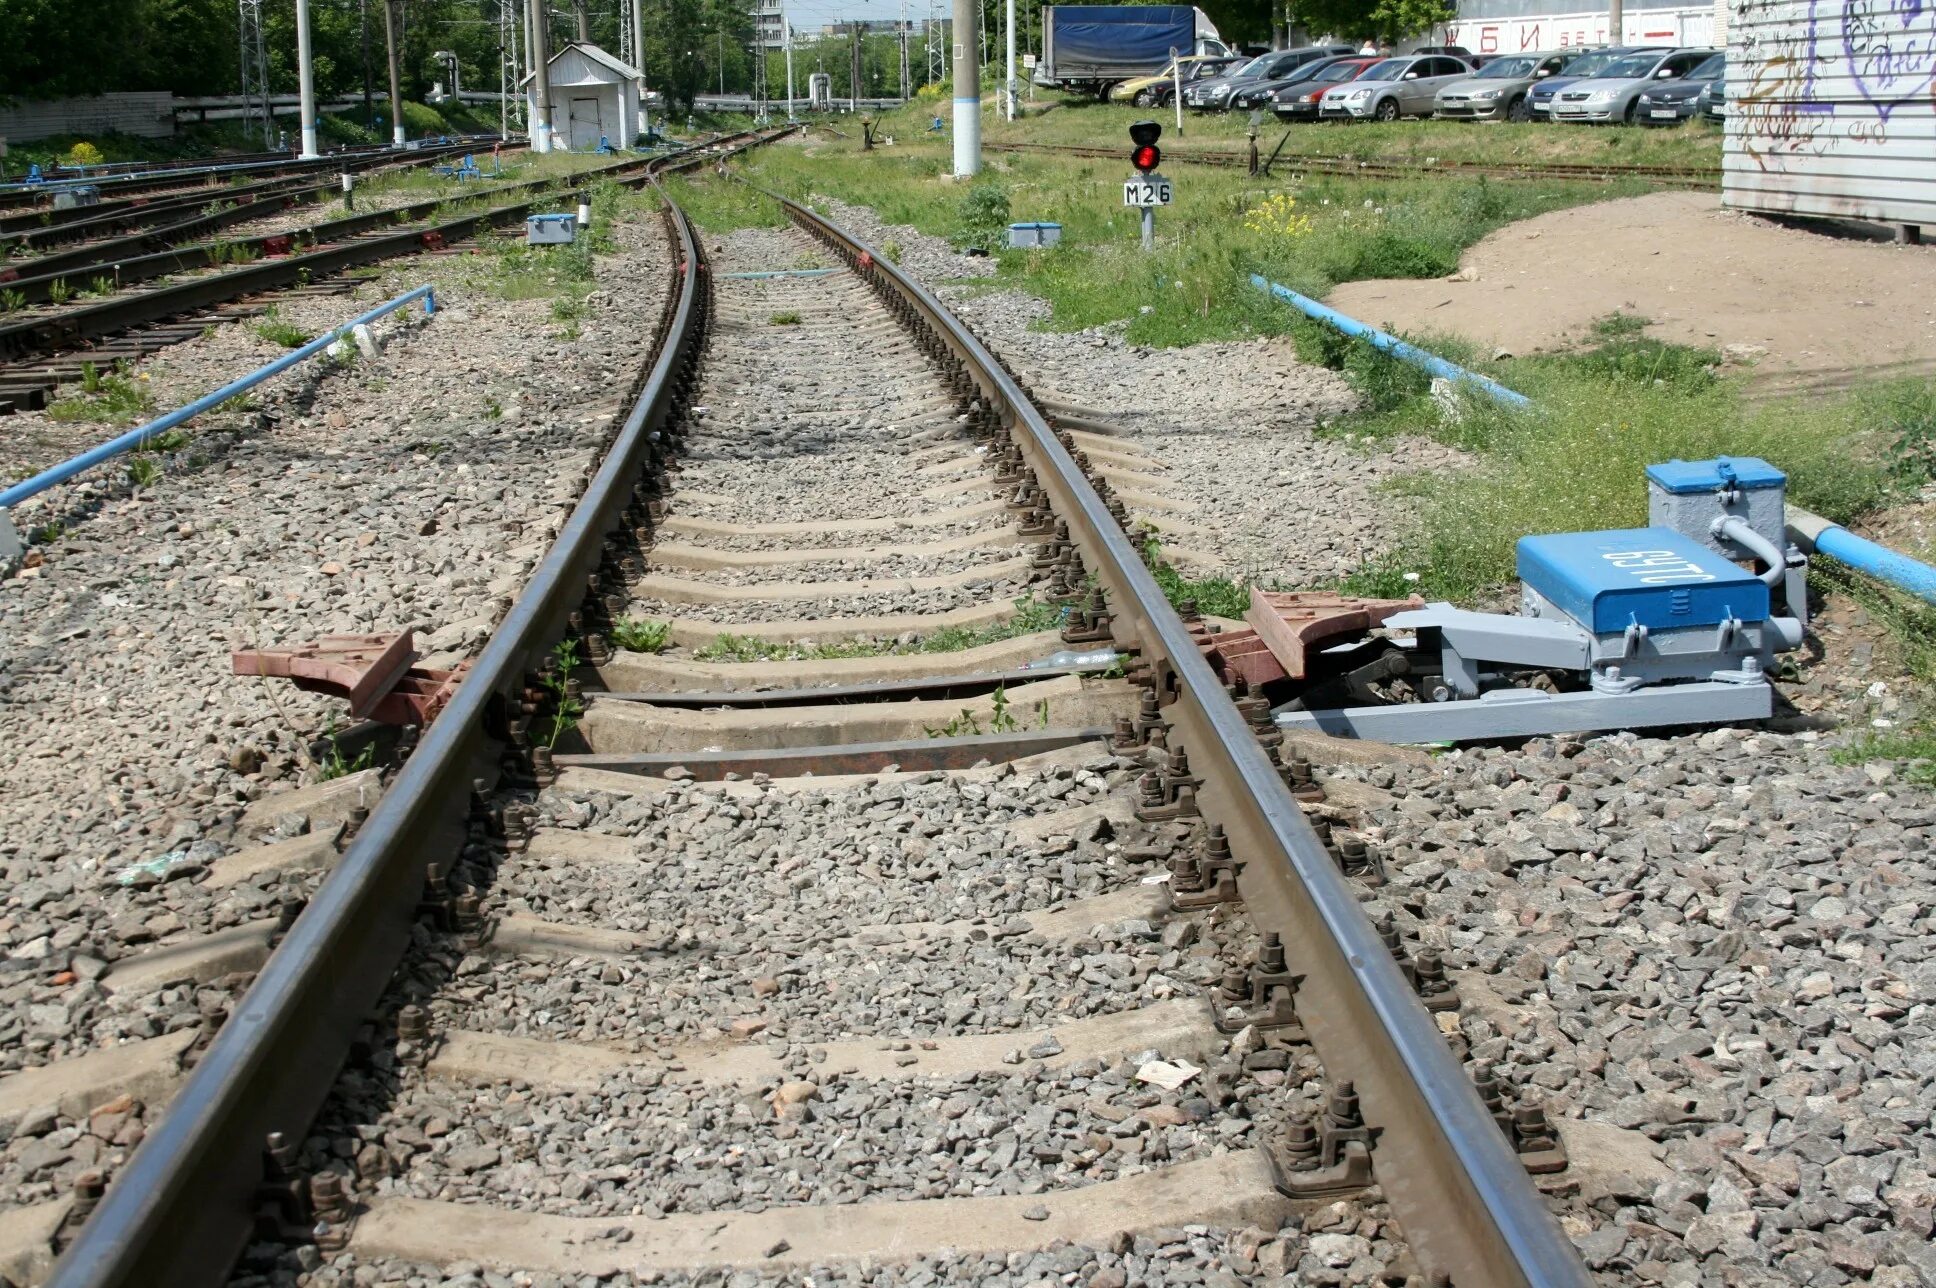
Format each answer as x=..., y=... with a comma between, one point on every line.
x=593, y=96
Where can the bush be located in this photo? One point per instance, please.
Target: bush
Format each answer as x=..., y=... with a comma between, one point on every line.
x=983, y=216
x=83, y=153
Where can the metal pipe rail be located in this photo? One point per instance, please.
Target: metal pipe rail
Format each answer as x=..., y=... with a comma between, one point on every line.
x=144, y=433
x=1467, y=1206
x=164, y=258
x=185, y=1204
x=74, y=326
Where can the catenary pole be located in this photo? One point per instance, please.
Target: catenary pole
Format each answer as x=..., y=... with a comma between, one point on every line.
x=306, y=75
x=967, y=73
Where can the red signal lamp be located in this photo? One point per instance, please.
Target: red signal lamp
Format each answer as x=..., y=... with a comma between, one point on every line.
x=1147, y=157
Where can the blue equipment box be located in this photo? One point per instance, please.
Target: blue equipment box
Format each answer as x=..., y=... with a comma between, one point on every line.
x=1748, y=473
x=1654, y=576
x=550, y=230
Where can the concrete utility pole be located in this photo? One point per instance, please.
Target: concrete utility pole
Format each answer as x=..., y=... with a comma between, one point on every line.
x=637, y=8
x=904, y=57
x=1616, y=19
x=584, y=16
x=369, y=87
x=396, y=71
x=967, y=72
x=541, y=87
x=306, y=75
x=786, y=38
x=1008, y=78
x=853, y=69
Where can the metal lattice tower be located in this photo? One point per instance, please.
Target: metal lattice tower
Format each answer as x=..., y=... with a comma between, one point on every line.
x=510, y=41
x=626, y=54
x=937, y=56
x=255, y=73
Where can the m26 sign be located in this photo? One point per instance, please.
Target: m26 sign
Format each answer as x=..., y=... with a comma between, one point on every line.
x=1831, y=109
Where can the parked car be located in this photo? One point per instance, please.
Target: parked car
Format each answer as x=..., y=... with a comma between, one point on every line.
x=1498, y=92
x=1298, y=101
x=1403, y=86
x=1155, y=91
x=1590, y=63
x=1614, y=95
x=1670, y=102
x=1214, y=94
x=1260, y=94
x=1713, y=103
x=1457, y=51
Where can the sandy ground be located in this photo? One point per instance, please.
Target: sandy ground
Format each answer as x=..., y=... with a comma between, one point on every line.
x=1825, y=310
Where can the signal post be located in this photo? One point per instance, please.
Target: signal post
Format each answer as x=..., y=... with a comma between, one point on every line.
x=1146, y=189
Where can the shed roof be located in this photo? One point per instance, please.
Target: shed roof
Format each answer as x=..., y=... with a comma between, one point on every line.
x=581, y=53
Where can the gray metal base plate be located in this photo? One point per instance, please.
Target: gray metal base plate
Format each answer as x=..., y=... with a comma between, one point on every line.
x=1522, y=713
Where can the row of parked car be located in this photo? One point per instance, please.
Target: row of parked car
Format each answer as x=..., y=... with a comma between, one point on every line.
x=1631, y=84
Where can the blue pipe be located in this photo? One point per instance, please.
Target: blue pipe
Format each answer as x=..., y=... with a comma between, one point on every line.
x=1817, y=535
x=1396, y=347
x=140, y=434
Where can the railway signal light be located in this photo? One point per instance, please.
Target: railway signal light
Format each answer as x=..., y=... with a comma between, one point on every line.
x=1145, y=156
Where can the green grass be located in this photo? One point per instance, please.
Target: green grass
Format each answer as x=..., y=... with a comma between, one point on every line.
x=1031, y=615
x=1577, y=460
x=1196, y=286
x=104, y=399
x=1073, y=121
x=273, y=329
x=786, y=317
x=637, y=635
x=721, y=206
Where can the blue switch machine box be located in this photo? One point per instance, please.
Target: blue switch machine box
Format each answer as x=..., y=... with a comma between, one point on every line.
x=1654, y=576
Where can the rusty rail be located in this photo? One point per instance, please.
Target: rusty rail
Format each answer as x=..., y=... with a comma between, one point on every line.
x=1467, y=1206
x=185, y=1204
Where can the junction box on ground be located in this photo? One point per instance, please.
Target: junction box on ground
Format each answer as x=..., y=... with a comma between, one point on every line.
x=550, y=230
x=1676, y=623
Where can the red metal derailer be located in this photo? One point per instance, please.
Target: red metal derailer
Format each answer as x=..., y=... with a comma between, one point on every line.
x=1283, y=629
x=373, y=672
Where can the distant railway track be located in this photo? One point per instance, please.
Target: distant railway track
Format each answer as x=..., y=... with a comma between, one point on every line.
x=41, y=350
x=1399, y=168
x=34, y=232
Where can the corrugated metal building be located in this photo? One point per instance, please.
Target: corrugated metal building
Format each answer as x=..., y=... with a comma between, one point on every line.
x=1832, y=109
x=1516, y=26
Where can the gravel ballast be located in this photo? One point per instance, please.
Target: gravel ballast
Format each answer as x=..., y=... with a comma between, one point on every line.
x=414, y=489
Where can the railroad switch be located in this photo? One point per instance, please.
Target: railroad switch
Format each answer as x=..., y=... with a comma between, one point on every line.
x=1676, y=623
x=1327, y=1157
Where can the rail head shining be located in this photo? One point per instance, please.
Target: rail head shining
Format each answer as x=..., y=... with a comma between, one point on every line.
x=1468, y=1208
x=185, y=1203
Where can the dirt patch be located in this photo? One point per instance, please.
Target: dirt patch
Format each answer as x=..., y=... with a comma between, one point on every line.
x=1827, y=312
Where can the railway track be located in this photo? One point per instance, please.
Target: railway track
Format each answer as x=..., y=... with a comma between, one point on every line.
x=25, y=239
x=37, y=199
x=39, y=350
x=1037, y=957
x=1664, y=176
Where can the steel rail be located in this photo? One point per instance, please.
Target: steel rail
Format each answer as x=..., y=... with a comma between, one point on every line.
x=1396, y=167
x=1467, y=1206
x=74, y=326
x=186, y=1202
x=162, y=258
x=28, y=196
x=128, y=218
